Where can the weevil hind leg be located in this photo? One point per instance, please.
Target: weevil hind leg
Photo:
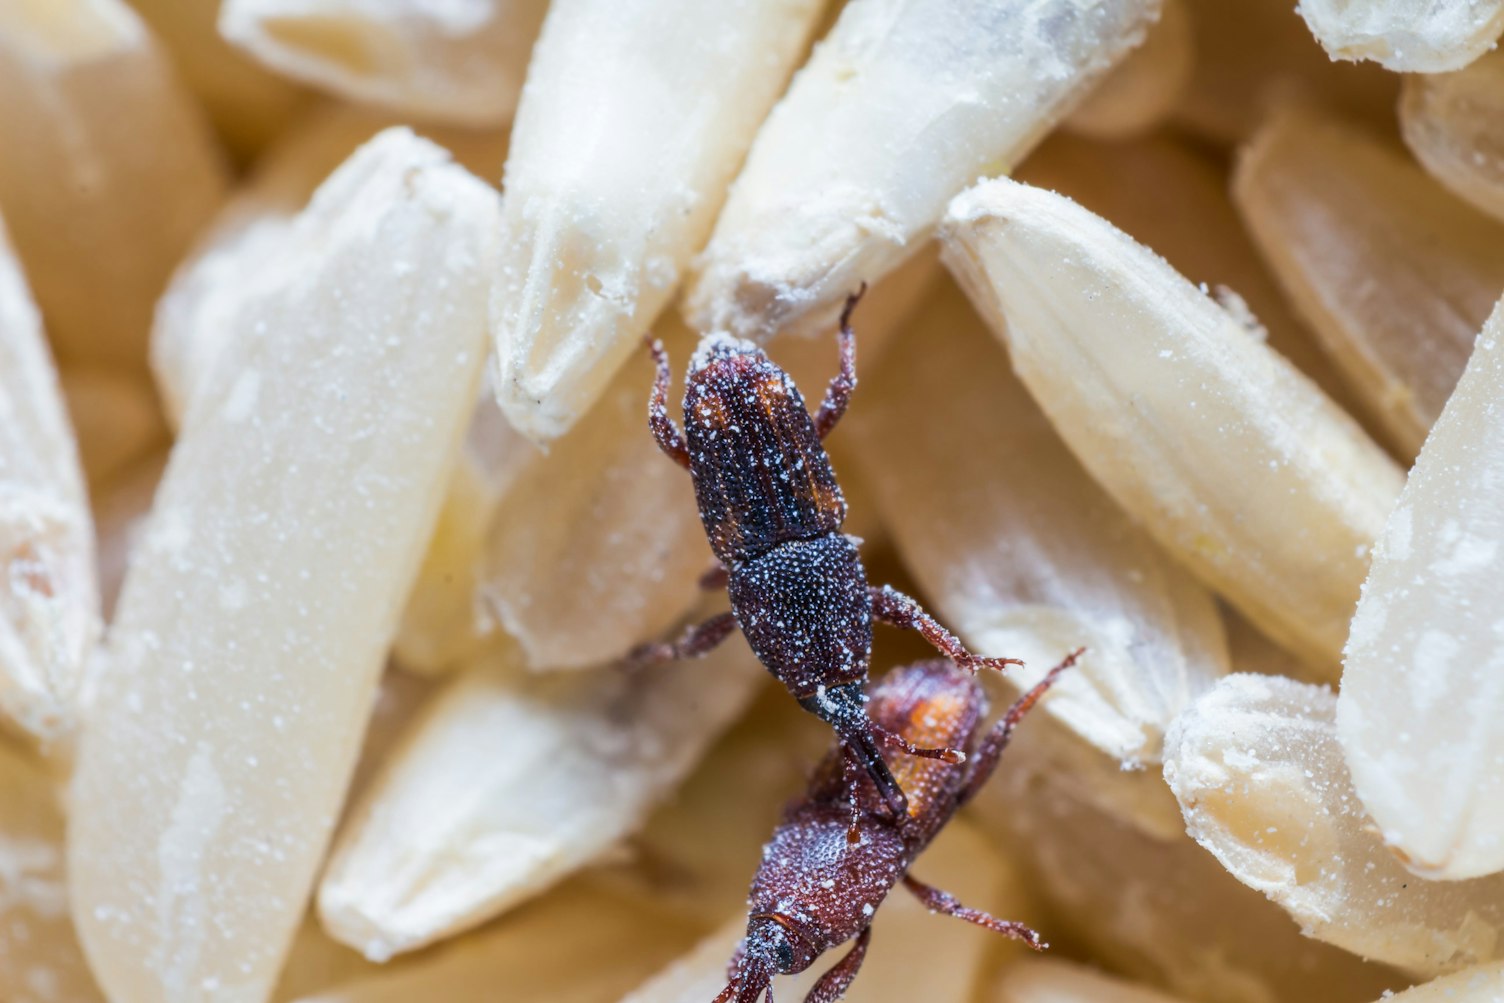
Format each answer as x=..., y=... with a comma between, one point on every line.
x=936, y=900
x=834, y=983
x=698, y=640
x=990, y=749
x=838, y=393
x=669, y=438
x=899, y=610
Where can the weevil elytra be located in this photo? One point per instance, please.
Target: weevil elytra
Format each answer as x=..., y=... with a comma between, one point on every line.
x=831, y=863
x=773, y=511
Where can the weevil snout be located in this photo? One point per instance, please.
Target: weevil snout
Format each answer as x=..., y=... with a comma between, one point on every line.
x=844, y=709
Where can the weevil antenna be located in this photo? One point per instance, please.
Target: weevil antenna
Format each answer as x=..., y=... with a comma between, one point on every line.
x=749, y=982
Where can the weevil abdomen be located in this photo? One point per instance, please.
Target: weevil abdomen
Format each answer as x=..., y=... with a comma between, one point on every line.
x=806, y=612
x=934, y=704
x=761, y=476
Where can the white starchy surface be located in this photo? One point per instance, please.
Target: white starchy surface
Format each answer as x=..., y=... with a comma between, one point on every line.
x=456, y=61
x=633, y=121
x=1407, y=36
x=49, y=601
x=598, y=545
x=292, y=517
x=1141, y=91
x=581, y=944
x=197, y=312
x=40, y=960
x=901, y=106
x=1483, y=984
x=1393, y=273
x=211, y=292
x=1156, y=908
x=1258, y=772
x=509, y=782
x=1423, y=690
x=1454, y=124
x=1048, y=980
x=1170, y=193
x=1021, y=552
x=1230, y=457
x=91, y=104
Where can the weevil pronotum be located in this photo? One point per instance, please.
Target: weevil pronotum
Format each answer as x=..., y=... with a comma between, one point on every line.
x=773, y=512
x=831, y=863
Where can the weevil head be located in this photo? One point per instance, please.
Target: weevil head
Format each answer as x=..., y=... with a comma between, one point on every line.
x=775, y=945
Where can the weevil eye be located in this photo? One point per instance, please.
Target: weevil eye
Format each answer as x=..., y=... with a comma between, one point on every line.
x=783, y=955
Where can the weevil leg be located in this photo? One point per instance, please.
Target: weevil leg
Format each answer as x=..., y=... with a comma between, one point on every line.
x=838, y=394
x=735, y=965
x=990, y=750
x=893, y=607
x=715, y=578
x=670, y=439
x=851, y=772
x=936, y=900
x=896, y=741
x=698, y=640
x=834, y=983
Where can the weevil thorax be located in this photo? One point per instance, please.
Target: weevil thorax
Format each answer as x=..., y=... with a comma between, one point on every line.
x=819, y=883
x=931, y=704
x=761, y=476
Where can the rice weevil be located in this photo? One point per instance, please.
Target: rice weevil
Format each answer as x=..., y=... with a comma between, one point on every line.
x=773, y=512
x=826, y=871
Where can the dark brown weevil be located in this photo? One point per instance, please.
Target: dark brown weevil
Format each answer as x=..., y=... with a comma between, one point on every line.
x=773, y=512
x=838, y=851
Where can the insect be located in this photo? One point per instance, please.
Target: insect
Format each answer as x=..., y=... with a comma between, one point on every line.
x=839, y=851
x=773, y=512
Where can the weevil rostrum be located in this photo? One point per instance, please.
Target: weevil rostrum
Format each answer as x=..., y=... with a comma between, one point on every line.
x=839, y=850
x=773, y=511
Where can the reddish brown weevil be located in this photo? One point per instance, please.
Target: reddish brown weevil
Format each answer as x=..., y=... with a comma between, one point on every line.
x=773, y=511
x=829, y=865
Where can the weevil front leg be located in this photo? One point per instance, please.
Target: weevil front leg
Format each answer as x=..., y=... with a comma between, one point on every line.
x=834, y=983
x=893, y=607
x=936, y=900
x=990, y=750
x=698, y=640
x=670, y=439
x=838, y=394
